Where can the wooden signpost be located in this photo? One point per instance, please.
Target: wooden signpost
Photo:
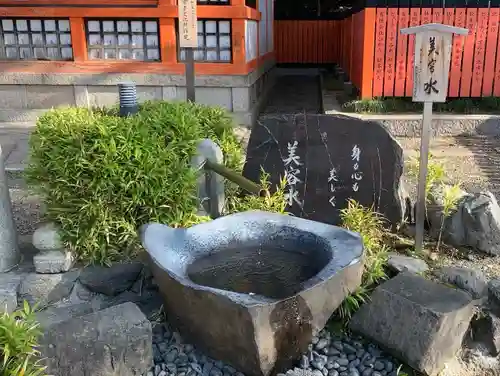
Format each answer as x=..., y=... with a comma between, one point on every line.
x=430, y=84
x=188, y=39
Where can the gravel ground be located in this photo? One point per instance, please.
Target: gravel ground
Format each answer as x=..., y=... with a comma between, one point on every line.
x=327, y=355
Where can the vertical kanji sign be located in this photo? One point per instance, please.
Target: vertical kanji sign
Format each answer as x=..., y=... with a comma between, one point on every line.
x=431, y=65
x=188, y=39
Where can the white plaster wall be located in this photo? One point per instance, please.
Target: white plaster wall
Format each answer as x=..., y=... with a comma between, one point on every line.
x=251, y=28
x=263, y=44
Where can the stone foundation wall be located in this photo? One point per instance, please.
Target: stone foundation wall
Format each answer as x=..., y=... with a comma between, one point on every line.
x=24, y=96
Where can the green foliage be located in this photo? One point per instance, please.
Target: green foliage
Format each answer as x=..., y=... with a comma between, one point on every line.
x=436, y=174
x=369, y=225
x=238, y=201
x=450, y=197
x=19, y=335
x=104, y=176
x=435, y=184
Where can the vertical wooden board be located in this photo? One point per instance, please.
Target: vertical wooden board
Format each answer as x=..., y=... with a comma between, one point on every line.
x=496, y=86
x=305, y=47
x=437, y=15
x=368, y=49
x=401, y=57
x=309, y=40
x=468, y=59
x=390, y=52
x=350, y=44
x=414, y=21
x=426, y=15
x=380, y=35
x=491, y=48
x=342, y=52
x=480, y=49
x=325, y=35
x=357, y=48
x=280, y=26
x=319, y=38
x=277, y=41
x=457, y=54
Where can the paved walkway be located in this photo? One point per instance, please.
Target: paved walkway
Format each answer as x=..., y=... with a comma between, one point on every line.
x=14, y=141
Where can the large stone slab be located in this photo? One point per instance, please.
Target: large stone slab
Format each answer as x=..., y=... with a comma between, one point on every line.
x=328, y=160
x=252, y=288
x=114, y=341
x=420, y=321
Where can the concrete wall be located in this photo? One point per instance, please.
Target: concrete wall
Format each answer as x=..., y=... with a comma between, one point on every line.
x=25, y=96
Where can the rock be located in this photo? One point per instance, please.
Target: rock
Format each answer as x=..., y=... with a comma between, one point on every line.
x=322, y=343
x=436, y=204
x=110, y=281
x=9, y=287
x=471, y=280
x=494, y=291
x=299, y=372
x=322, y=144
x=486, y=330
x=49, y=262
x=47, y=288
x=113, y=341
x=253, y=308
x=400, y=263
x=46, y=238
x=476, y=224
x=439, y=318
x=149, y=301
x=56, y=315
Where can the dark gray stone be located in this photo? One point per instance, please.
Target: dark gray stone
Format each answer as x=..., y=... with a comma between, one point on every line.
x=322, y=343
x=113, y=341
x=343, y=361
x=56, y=315
x=439, y=318
x=486, y=331
x=324, y=143
x=400, y=263
x=494, y=291
x=255, y=298
x=110, y=281
x=299, y=372
x=471, y=280
x=476, y=224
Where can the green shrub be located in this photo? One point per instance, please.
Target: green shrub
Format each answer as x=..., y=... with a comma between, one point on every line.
x=436, y=173
x=104, y=176
x=369, y=225
x=19, y=335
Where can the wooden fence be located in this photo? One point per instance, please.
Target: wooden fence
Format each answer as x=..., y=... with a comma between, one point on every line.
x=379, y=61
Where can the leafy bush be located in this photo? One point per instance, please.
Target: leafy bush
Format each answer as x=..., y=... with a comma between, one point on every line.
x=19, y=334
x=104, y=176
x=369, y=225
x=436, y=172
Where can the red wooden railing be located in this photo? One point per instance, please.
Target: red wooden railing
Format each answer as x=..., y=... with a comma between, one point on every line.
x=379, y=60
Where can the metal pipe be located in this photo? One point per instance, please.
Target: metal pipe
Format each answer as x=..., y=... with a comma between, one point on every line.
x=237, y=179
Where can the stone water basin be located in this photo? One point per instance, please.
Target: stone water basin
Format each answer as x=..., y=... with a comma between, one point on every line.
x=252, y=288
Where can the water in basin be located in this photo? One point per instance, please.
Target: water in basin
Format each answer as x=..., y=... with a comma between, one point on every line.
x=269, y=271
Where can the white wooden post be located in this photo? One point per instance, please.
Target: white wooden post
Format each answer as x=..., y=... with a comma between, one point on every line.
x=431, y=65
